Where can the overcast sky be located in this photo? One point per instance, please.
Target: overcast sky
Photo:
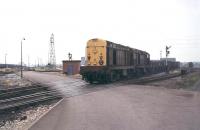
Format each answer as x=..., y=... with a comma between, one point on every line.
x=143, y=24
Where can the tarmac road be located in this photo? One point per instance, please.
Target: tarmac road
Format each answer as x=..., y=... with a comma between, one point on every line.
x=132, y=107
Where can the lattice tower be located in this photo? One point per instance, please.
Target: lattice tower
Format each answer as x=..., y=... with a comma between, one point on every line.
x=52, y=56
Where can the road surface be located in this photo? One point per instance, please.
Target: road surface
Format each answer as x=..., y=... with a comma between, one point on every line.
x=132, y=107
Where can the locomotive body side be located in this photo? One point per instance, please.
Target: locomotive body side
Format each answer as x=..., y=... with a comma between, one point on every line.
x=120, y=55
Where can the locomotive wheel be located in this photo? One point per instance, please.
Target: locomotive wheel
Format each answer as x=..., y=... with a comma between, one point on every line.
x=109, y=78
x=91, y=81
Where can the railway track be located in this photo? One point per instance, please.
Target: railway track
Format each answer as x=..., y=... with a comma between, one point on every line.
x=13, y=99
x=145, y=80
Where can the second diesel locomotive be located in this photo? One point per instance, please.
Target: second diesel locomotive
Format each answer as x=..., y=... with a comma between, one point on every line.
x=107, y=61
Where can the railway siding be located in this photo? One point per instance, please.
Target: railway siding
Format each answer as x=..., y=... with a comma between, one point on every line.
x=16, y=98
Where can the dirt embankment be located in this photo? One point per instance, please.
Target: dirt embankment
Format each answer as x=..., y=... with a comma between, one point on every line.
x=189, y=81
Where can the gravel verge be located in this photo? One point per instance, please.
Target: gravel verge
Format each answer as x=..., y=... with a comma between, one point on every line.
x=23, y=119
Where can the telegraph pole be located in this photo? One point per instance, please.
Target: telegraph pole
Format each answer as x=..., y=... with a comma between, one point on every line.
x=28, y=64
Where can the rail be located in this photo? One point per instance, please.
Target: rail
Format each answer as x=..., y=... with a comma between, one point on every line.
x=152, y=79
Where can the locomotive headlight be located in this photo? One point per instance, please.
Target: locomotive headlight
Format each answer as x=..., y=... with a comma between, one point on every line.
x=101, y=59
x=101, y=62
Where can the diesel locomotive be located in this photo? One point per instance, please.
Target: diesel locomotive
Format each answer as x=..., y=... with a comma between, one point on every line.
x=107, y=61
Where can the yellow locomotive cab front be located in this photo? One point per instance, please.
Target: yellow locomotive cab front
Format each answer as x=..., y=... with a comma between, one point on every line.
x=96, y=52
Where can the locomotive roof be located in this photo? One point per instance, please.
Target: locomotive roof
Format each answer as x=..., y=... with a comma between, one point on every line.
x=119, y=45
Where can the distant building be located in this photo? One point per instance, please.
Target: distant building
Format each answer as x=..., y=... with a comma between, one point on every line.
x=71, y=67
x=186, y=64
x=9, y=65
x=196, y=64
x=168, y=59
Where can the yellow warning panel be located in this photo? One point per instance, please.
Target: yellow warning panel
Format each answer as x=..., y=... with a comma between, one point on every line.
x=96, y=52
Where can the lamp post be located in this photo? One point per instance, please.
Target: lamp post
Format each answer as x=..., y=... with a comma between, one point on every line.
x=21, y=59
